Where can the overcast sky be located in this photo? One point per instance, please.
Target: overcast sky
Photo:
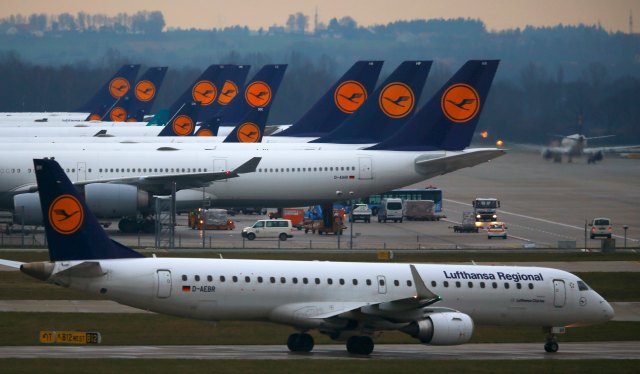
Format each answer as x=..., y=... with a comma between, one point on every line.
x=613, y=15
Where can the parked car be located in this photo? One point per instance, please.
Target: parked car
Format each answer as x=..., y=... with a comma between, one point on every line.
x=269, y=228
x=391, y=209
x=601, y=227
x=497, y=230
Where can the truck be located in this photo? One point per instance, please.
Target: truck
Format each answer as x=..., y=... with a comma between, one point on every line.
x=420, y=210
x=324, y=219
x=360, y=212
x=295, y=215
x=485, y=209
x=468, y=223
x=210, y=219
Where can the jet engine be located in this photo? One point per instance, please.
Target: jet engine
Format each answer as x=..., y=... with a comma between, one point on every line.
x=105, y=201
x=448, y=328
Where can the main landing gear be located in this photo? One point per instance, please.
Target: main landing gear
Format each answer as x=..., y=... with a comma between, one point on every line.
x=303, y=343
x=551, y=346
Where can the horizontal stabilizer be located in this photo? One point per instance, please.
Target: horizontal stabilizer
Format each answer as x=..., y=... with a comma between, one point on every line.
x=431, y=167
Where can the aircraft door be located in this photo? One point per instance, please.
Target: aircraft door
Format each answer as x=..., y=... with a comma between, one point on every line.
x=164, y=284
x=220, y=164
x=559, y=293
x=382, y=284
x=365, y=168
x=81, y=171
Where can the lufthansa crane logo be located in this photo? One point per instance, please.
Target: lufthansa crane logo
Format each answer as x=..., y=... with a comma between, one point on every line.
x=349, y=95
x=228, y=93
x=205, y=132
x=396, y=100
x=460, y=103
x=258, y=94
x=248, y=132
x=118, y=87
x=145, y=90
x=94, y=117
x=204, y=92
x=66, y=214
x=182, y=125
x=118, y=114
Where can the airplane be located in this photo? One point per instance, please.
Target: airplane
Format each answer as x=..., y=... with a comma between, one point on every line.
x=575, y=145
x=432, y=144
x=116, y=87
x=437, y=304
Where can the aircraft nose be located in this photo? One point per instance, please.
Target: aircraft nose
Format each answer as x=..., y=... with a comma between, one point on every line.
x=608, y=310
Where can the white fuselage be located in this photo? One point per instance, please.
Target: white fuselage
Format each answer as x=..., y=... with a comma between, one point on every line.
x=283, y=178
x=296, y=292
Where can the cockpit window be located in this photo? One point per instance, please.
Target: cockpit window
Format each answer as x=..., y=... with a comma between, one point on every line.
x=582, y=286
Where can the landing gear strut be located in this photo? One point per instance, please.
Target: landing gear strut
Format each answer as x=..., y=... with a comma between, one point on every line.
x=360, y=345
x=300, y=342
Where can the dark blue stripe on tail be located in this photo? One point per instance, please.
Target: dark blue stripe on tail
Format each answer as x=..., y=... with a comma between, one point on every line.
x=73, y=232
x=448, y=120
x=326, y=115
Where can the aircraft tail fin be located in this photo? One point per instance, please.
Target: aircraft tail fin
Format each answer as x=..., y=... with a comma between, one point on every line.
x=258, y=92
x=388, y=109
x=116, y=87
x=202, y=90
x=251, y=128
x=449, y=119
x=73, y=232
x=209, y=127
x=226, y=84
x=145, y=92
x=183, y=123
x=339, y=102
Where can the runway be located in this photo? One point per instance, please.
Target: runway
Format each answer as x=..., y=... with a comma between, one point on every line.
x=526, y=351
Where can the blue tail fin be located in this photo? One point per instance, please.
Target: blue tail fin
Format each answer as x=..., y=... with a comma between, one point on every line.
x=73, y=232
x=339, y=102
x=251, y=128
x=183, y=123
x=232, y=77
x=259, y=92
x=112, y=90
x=209, y=127
x=145, y=92
x=448, y=120
x=202, y=90
x=390, y=107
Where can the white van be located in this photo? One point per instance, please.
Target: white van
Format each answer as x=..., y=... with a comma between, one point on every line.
x=391, y=209
x=601, y=227
x=269, y=228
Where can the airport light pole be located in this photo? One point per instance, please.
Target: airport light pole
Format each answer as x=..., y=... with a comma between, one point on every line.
x=625, y=227
x=351, y=219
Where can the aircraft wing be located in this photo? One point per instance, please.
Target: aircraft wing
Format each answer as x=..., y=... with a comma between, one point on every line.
x=162, y=184
x=623, y=148
x=10, y=264
x=431, y=165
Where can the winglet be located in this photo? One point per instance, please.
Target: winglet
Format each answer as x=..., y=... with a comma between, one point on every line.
x=422, y=292
x=248, y=167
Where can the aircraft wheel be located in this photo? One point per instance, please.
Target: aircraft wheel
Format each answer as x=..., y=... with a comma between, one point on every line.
x=360, y=345
x=551, y=347
x=300, y=342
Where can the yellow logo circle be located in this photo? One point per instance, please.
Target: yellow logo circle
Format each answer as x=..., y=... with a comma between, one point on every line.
x=396, y=100
x=118, y=114
x=118, y=87
x=182, y=125
x=66, y=214
x=228, y=92
x=258, y=94
x=349, y=95
x=205, y=132
x=94, y=117
x=145, y=90
x=460, y=103
x=204, y=92
x=248, y=133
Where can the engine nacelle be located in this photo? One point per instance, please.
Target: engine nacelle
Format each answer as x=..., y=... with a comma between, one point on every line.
x=115, y=200
x=27, y=209
x=449, y=328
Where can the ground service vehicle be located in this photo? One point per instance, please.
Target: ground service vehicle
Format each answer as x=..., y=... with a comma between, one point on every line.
x=601, y=227
x=211, y=219
x=497, y=230
x=406, y=194
x=468, y=223
x=269, y=228
x=485, y=209
x=420, y=210
x=391, y=209
x=360, y=212
x=324, y=219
